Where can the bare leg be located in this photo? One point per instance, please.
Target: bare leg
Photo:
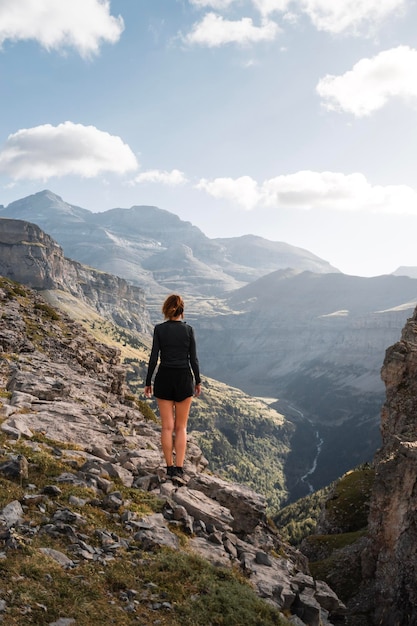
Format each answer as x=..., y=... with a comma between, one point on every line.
x=166, y=412
x=182, y=410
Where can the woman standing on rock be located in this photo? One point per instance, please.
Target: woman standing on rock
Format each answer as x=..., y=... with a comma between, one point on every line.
x=174, y=387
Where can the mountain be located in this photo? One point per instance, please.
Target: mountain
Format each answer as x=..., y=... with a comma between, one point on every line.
x=155, y=249
x=264, y=257
x=316, y=342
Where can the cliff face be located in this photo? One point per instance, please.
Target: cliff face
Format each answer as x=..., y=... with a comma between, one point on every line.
x=391, y=562
x=30, y=256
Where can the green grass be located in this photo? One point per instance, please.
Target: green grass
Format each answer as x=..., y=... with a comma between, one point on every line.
x=348, y=507
x=335, y=557
x=38, y=591
x=299, y=519
x=344, y=575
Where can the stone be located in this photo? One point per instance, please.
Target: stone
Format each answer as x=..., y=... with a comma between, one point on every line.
x=307, y=608
x=12, y=513
x=246, y=506
x=57, y=556
x=112, y=501
x=52, y=490
x=215, y=554
x=147, y=483
x=19, y=424
x=327, y=598
x=200, y=506
x=68, y=517
x=117, y=471
x=102, y=453
x=157, y=534
x=263, y=559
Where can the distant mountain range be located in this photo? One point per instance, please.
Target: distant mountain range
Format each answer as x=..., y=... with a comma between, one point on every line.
x=155, y=249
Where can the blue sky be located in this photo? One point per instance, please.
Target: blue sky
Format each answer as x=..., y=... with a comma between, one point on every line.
x=292, y=119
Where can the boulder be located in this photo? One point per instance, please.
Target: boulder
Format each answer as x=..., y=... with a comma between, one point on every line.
x=245, y=505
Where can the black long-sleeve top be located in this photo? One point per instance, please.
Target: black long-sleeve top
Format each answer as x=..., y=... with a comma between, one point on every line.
x=175, y=343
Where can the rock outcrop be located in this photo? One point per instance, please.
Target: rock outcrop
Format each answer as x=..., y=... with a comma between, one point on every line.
x=59, y=385
x=30, y=256
x=390, y=562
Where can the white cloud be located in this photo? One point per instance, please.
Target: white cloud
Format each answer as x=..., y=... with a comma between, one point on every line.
x=215, y=31
x=172, y=179
x=242, y=191
x=212, y=4
x=80, y=24
x=45, y=151
x=314, y=190
x=266, y=7
x=369, y=85
x=337, y=16
x=333, y=16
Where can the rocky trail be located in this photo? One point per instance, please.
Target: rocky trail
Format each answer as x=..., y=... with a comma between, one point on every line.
x=64, y=399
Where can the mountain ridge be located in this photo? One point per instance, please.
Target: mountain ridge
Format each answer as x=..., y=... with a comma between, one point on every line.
x=120, y=240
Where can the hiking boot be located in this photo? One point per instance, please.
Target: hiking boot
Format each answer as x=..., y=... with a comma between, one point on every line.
x=178, y=478
x=170, y=471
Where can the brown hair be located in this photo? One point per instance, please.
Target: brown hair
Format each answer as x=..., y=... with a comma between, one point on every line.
x=173, y=306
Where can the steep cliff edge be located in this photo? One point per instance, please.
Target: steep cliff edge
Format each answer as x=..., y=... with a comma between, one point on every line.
x=391, y=560
x=371, y=561
x=30, y=256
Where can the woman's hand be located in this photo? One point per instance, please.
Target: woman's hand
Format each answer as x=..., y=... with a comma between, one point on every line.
x=148, y=391
x=197, y=389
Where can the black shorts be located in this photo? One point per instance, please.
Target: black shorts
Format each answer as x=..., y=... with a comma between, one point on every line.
x=173, y=383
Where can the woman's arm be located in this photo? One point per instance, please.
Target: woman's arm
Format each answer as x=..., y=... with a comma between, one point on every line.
x=195, y=366
x=153, y=359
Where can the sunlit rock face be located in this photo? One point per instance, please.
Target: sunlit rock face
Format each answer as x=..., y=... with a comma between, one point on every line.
x=30, y=256
x=391, y=562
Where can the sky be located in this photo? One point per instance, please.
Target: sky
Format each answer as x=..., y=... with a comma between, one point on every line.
x=294, y=120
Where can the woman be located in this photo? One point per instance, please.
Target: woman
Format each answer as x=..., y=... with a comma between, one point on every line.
x=174, y=343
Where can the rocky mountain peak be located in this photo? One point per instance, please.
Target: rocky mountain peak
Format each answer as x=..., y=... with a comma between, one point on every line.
x=46, y=204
